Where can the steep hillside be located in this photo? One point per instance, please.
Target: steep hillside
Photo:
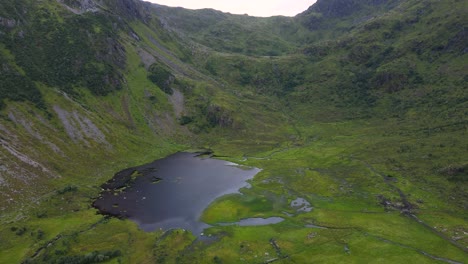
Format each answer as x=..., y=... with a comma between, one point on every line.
x=359, y=108
x=91, y=82
x=233, y=33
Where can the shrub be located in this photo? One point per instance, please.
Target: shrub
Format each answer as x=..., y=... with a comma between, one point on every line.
x=67, y=189
x=162, y=77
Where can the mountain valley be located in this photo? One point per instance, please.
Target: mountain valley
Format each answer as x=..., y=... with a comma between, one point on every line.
x=358, y=108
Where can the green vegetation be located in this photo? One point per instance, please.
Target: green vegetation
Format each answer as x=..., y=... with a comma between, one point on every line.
x=362, y=111
x=15, y=86
x=63, y=51
x=234, y=34
x=162, y=77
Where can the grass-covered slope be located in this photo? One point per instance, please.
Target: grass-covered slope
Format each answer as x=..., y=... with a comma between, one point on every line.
x=360, y=111
x=225, y=32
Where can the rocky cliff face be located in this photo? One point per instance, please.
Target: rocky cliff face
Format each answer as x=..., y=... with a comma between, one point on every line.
x=130, y=9
x=80, y=6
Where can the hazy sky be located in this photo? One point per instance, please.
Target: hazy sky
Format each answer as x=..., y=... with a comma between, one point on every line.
x=251, y=7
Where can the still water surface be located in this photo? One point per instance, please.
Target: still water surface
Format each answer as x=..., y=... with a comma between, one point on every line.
x=172, y=192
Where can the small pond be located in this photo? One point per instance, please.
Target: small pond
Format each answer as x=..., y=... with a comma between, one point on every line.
x=256, y=221
x=171, y=192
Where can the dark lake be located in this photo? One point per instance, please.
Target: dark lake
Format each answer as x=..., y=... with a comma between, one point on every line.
x=171, y=192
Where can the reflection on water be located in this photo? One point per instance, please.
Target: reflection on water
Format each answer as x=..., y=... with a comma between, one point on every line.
x=171, y=192
x=256, y=221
